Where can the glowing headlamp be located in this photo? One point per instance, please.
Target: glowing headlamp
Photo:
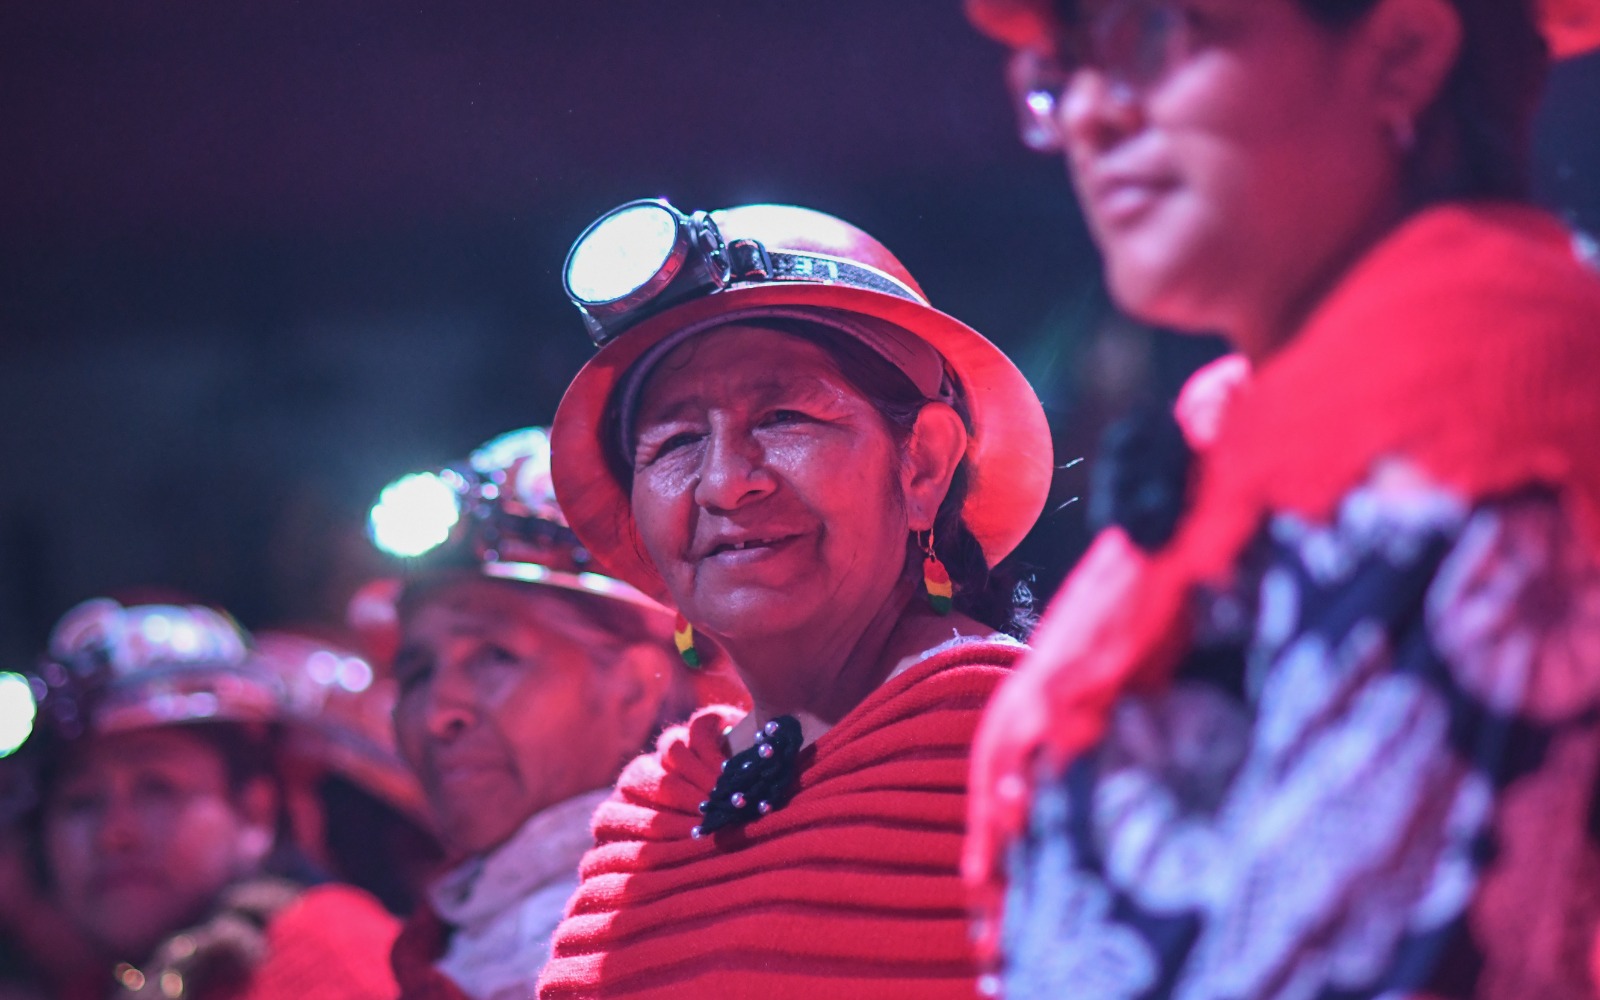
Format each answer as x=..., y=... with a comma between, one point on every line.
x=415, y=514
x=497, y=505
x=18, y=709
x=645, y=256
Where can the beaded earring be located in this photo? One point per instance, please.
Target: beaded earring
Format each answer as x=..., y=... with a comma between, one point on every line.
x=683, y=638
x=935, y=578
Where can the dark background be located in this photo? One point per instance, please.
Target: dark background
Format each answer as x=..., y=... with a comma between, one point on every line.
x=258, y=258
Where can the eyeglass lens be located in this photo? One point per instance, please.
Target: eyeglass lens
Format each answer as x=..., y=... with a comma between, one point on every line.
x=1131, y=41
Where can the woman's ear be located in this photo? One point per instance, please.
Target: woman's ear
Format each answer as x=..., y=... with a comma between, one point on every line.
x=1417, y=43
x=636, y=685
x=934, y=451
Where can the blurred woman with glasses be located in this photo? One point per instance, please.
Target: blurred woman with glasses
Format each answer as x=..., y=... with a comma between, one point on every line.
x=1327, y=729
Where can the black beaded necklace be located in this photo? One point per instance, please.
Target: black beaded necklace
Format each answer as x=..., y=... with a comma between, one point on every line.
x=755, y=781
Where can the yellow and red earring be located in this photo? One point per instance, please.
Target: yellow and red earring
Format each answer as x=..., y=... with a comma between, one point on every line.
x=683, y=638
x=935, y=578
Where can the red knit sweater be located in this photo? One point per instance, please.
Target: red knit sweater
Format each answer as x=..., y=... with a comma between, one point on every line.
x=850, y=890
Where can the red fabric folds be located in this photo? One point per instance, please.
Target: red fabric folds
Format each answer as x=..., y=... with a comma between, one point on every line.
x=421, y=943
x=1571, y=26
x=850, y=890
x=329, y=944
x=1468, y=341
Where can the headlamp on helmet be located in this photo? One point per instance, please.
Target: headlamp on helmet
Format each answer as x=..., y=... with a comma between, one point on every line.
x=415, y=514
x=18, y=707
x=497, y=507
x=497, y=513
x=645, y=256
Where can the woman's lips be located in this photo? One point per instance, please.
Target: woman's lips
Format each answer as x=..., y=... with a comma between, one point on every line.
x=1123, y=200
x=747, y=552
x=469, y=770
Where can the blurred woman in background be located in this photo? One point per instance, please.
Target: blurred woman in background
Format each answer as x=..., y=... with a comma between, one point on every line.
x=525, y=681
x=1326, y=727
x=161, y=815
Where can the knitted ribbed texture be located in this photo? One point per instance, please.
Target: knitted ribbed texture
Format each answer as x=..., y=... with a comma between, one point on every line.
x=1467, y=342
x=851, y=890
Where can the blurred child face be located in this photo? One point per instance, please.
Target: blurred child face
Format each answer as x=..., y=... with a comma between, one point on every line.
x=142, y=832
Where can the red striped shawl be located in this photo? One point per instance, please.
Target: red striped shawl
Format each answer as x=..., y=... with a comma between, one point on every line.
x=851, y=890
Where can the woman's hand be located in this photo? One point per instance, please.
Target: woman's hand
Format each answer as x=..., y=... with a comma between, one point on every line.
x=1052, y=708
x=1057, y=702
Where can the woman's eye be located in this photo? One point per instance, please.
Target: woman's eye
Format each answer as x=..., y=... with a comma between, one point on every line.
x=156, y=789
x=409, y=671
x=1197, y=18
x=494, y=654
x=409, y=679
x=79, y=803
x=676, y=441
x=650, y=452
x=785, y=417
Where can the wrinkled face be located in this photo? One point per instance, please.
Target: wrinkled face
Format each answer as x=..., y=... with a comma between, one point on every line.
x=141, y=833
x=1225, y=183
x=767, y=490
x=505, y=707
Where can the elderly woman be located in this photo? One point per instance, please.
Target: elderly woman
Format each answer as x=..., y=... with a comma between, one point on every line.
x=525, y=682
x=1334, y=733
x=819, y=471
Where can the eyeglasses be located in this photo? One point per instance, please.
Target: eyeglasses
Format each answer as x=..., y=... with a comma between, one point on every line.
x=1131, y=42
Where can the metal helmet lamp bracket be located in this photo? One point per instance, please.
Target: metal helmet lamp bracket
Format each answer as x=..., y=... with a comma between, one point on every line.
x=645, y=256
x=643, y=253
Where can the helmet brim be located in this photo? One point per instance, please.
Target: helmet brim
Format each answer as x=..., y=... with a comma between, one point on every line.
x=1009, y=451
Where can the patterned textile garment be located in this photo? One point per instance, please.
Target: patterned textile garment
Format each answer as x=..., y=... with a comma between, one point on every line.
x=1463, y=343
x=1373, y=777
x=850, y=890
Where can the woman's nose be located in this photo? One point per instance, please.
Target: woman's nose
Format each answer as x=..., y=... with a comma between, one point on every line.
x=451, y=709
x=118, y=825
x=1097, y=112
x=732, y=473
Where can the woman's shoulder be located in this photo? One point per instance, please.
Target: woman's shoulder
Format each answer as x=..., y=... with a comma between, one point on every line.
x=932, y=700
x=1495, y=268
x=993, y=649
x=959, y=662
x=343, y=909
x=935, y=698
x=331, y=943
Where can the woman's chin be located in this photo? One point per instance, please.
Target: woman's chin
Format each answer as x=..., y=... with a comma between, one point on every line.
x=749, y=614
x=1159, y=293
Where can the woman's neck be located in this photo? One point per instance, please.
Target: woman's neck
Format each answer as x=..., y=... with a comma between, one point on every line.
x=1263, y=332
x=820, y=681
